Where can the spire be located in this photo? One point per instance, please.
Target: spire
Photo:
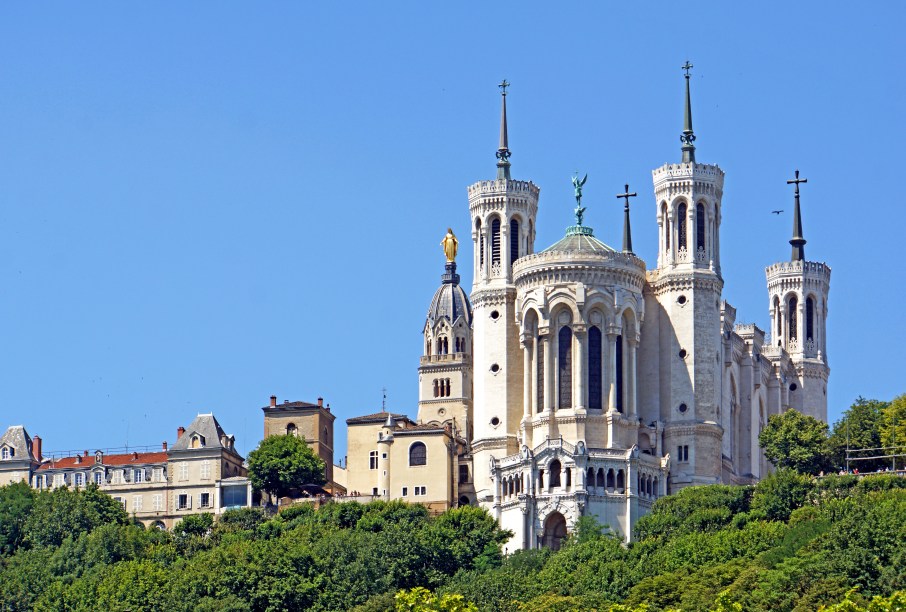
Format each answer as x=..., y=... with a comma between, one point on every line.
x=627, y=231
x=503, y=151
x=797, y=241
x=687, y=137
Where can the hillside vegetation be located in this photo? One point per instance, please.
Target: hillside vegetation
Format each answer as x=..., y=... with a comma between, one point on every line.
x=790, y=543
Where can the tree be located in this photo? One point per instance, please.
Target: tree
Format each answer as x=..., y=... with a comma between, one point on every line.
x=16, y=501
x=797, y=441
x=421, y=599
x=859, y=427
x=283, y=463
x=893, y=428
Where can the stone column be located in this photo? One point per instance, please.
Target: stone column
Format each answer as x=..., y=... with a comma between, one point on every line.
x=581, y=367
x=533, y=373
x=548, y=370
x=633, y=378
x=527, y=377
x=612, y=370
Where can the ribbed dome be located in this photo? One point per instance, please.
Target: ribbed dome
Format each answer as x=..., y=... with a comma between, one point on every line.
x=451, y=302
x=579, y=241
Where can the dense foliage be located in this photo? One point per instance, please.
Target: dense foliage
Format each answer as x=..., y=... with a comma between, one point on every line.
x=792, y=542
x=281, y=464
x=797, y=441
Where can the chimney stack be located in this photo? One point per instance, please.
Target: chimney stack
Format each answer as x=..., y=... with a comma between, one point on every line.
x=36, y=448
x=273, y=401
x=85, y=454
x=164, y=445
x=179, y=432
x=320, y=402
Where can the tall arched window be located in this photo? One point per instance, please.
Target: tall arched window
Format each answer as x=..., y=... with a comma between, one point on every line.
x=809, y=318
x=791, y=313
x=555, y=473
x=495, y=241
x=436, y=389
x=418, y=454
x=480, y=243
x=539, y=373
x=291, y=430
x=666, y=226
x=619, y=373
x=565, y=367
x=699, y=227
x=779, y=332
x=595, y=394
x=428, y=347
x=514, y=240
x=681, y=226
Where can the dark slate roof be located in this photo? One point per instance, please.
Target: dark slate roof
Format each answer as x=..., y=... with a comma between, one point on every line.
x=206, y=426
x=18, y=439
x=449, y=302
x=290, y=406
x=377, y=417
x=578, y=243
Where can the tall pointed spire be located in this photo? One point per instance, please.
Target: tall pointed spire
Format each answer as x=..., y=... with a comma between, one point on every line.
x=503, y=151
x=687, y=137
x=797, y=241
x=627, y=230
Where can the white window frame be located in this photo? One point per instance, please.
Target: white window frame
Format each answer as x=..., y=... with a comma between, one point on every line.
x=201, y=502
x=98, y=478
x=373, y=460
x=137, y=503
x=117, y=477
x=405, y=492
x=205, y=470
x=183, y=471
x=78, y=479
x=4, y=453
x=157, y=502
x=59, y=480
x=138, y=475
x=180, y=505
x=157, y=474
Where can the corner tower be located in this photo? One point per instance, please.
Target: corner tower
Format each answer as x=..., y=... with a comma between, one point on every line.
x=503, y=215
x=686, y=293
x=445, y=369
x=798, y=292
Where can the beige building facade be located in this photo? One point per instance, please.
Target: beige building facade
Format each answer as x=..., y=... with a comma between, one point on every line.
x=201, y=472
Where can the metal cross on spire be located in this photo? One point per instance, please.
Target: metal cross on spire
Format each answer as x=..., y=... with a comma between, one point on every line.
x=798, y=242
x=627, y=231
x=503, y=85
x=503, y=150
x=687, y=67
x=688, y=137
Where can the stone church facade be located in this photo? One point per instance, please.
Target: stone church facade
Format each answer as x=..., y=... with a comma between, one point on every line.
x=586, y=383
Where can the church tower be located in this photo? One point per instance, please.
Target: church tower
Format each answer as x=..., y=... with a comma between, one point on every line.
x=686, y=287
x=503, y=215
x=445, y=369
x=798, y=305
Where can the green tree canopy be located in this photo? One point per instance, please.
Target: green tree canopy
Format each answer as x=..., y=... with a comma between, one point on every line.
x=797, y=441
x=859, y=427
x=283, y=463
x=16, y=501
x=893, y=428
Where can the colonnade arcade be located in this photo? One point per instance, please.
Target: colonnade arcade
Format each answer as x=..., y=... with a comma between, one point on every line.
x=571, y=362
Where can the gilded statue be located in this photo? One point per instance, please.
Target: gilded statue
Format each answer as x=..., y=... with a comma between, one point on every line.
x=450, y=245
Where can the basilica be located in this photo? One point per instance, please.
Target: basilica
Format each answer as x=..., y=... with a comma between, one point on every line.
x=580, y=380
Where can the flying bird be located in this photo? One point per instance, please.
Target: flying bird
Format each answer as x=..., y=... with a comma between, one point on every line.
x=776, y=212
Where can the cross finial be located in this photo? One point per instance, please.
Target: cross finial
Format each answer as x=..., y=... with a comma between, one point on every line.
x=687, y=67
x=797, y=242
x=503, y=85
x=627, y=231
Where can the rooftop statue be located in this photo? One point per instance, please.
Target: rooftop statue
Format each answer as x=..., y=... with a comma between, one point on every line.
x=450, y=245
x=577, y=184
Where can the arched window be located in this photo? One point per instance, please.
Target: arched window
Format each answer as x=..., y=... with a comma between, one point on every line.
x=428, y=348
x=565, y=367
x=681, y=226
x=595, y=389
x=539, y=371
x=436, y=389
x=514, y=240
x=777, y=316
x=590, y=478
x=291, y=430
x=555, y=473
x=540, y=480
x=654, y=487
x=666, y=226
x=699, y=227
x=600, y=479
x=568, y=477
x=809, y=318
x=554, y=531
x=619, y=373
x=448, y=387
x=610, y=479
x=495, y=241
x=195, y=442
x=418, y=454
x=480, y=243
x=793, y=305
x=621, y=481
x=4, y=453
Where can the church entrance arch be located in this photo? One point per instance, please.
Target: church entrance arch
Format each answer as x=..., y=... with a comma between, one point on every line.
x=554, y=531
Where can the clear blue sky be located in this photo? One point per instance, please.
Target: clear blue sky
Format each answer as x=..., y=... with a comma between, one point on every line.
x=202, y=204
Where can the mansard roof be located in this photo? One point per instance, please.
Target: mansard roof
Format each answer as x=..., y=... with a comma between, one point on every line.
x=17, y=439
x=206, y=426
x=377, y=417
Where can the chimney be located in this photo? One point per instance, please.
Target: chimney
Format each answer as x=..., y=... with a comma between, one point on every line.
x=164, y=445
x=36, y=448
x=320, y=402
x=179, y=432
x=273, y=401
x=85, y=454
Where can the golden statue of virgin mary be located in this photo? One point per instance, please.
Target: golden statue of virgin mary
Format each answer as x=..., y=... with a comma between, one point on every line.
x=450, y=245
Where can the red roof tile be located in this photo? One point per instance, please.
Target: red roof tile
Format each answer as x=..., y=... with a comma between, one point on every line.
x=87, y=462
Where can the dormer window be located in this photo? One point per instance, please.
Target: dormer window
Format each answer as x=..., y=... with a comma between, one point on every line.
x=6, y=453
x=99, y=457
x=196, y=442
